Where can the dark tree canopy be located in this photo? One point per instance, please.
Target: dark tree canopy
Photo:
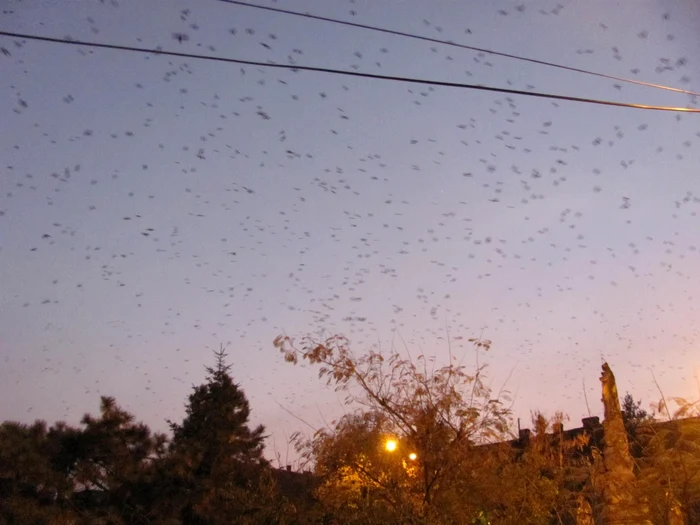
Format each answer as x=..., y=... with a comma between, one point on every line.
x=632, y=411
x=114, y=470
x=218, y=455
x=216, y=425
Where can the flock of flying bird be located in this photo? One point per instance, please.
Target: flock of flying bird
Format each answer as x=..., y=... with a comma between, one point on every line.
x=153, y=207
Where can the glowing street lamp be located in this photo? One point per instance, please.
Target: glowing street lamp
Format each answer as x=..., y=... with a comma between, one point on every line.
x=390, y=445
x=412, y=456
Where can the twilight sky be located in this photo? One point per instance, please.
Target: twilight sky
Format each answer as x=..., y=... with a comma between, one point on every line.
x=152, y=208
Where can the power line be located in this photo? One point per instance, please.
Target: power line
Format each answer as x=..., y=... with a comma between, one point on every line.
x=463, y=46
x=295, y=68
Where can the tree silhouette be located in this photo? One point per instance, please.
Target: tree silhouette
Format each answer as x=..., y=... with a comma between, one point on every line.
x=217, y=459
x=99, y=473
x=632, y=411
x=30, y=490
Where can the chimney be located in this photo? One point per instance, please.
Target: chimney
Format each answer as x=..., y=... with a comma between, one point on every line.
x=289, y=468
x=524, y=434
x=591, y=423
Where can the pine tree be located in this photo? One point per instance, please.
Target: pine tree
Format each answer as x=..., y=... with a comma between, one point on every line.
x=217, y=457
x=30, y=490
x=632, y=412
x=115, y=460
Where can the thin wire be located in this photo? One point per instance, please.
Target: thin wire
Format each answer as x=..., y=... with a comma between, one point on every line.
x=463, y=46
x=347, y=73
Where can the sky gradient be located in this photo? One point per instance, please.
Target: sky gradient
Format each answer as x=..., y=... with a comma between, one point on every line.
x=153, y=208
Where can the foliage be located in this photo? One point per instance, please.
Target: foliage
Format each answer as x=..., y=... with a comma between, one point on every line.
x=114, y=471
x=217, y=459
x=632, y=412
x=114, y=462
x=96, y=473
x=360, y=478
x=30, y=490
x=670, y=464
x=438, y=414
x=635, y=418
x=533, y=480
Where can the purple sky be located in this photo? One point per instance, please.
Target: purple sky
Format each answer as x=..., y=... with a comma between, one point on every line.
x=281, y=202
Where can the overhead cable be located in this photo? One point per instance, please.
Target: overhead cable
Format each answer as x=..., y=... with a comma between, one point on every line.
x=463, y=46
x=295, y=68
